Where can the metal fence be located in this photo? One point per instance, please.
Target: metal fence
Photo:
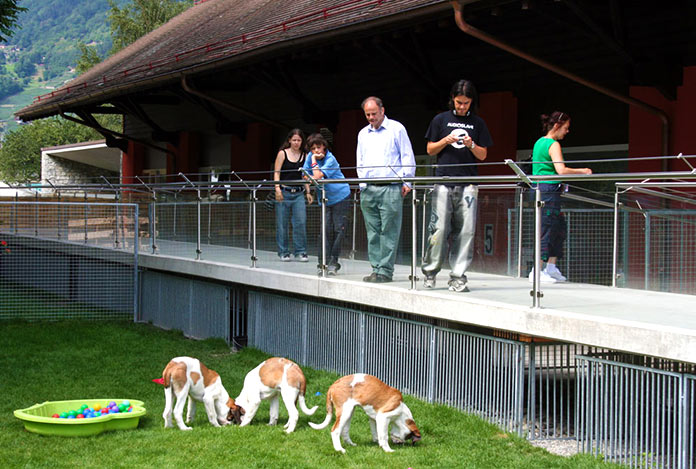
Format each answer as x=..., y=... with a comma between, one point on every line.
x=480, y=374
x=68, y=260
x=636, y=415
x=656, y=249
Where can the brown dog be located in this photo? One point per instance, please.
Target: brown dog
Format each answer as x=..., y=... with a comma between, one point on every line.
x=187, y=377
x=272, y=377
x=383, y=404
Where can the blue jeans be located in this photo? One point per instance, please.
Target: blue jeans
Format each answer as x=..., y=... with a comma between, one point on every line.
x=553, y=224
x=291, y=209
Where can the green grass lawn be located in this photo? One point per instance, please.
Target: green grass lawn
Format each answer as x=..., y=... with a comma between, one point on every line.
x=81, y=360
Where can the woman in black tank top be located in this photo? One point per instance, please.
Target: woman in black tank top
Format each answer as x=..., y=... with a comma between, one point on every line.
x=290, y=204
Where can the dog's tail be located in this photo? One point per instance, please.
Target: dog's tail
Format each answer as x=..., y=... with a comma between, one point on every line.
x=329, y=414
x=304, y=407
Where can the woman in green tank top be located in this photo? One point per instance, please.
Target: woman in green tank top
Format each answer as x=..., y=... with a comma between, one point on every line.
x=548, y=161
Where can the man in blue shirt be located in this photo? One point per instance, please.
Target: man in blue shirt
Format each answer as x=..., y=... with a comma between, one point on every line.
x=384, y=151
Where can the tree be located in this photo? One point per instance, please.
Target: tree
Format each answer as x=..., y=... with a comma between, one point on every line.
x=8, y=17
x=89, y=57
x=20, y=155
x=129, y=24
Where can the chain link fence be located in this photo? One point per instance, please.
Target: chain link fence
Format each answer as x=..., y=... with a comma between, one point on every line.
x=68, y=260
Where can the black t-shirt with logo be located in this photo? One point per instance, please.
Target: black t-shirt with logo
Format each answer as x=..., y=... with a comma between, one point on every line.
x=455, y=154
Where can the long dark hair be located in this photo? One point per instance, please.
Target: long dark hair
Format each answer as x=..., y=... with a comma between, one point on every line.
x=549, y=120
x=292, y=133
x=465, y=88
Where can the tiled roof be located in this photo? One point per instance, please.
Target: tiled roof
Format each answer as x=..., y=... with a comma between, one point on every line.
x=211, y=33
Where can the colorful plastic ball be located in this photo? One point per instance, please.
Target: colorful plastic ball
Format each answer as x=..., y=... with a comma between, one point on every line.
x=130, y=409
x=55, y=416
x=71, y=416
x=72, y=413
x=105, y=410
x=126, y=403
x=112, y=403
x=97, y=406
x=83, y=406
x=64, y=415
x=79, y=416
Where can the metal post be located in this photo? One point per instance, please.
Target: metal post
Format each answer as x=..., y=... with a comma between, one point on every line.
x=414, y=236
x=198, y=215
x=253, y=227
x=209, y=218
x=174, y=223
x=520, y=216
x=118, y=215
x=60, y=212
x=536, y=291
x=86, y=215
x=14, y=213
x=323, y=230
x=355, y=221
x=152, y=214
x=118, y=200
x=136, y=286
x=425, y=221
x=615, y=247
x=36, y=214
x=647, y=251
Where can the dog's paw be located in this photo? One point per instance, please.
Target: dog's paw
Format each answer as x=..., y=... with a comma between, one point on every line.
x=387, y=449
x=185, y=428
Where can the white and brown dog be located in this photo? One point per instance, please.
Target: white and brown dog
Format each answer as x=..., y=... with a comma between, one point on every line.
x=187, y=377
x=383, y=404
x=272, y=377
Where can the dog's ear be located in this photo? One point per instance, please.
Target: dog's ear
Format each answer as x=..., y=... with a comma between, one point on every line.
x=415, y=433
x=235, y=413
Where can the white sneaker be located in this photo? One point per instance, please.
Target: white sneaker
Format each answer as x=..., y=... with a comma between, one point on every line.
x=458, y=285
x=544, y=277
x=285, y=258
x=553, y=271
x=429, y=282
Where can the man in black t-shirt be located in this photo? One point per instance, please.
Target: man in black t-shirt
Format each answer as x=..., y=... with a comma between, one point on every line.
x=459, y=138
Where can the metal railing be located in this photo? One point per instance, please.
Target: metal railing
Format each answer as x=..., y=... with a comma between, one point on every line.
x=635, y=415
x=666, y=254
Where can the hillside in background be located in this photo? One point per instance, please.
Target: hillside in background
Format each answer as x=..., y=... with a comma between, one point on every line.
x=42, y=53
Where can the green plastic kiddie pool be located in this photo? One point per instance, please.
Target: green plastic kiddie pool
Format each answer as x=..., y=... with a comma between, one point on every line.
x=39, y=417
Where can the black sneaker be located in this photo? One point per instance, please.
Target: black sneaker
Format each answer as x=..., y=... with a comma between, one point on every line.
x=372, y=278
x=382, y=279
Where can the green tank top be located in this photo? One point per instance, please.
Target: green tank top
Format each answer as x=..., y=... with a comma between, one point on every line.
x=540, y=154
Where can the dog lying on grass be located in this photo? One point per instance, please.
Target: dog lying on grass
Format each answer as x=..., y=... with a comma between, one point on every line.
x=187, y=377
x=383, y=404
x=273, y=377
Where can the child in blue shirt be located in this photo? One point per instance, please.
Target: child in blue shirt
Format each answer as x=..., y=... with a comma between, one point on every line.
x=321, y=163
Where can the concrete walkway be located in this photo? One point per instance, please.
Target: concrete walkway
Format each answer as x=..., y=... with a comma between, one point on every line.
x=636, y=321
